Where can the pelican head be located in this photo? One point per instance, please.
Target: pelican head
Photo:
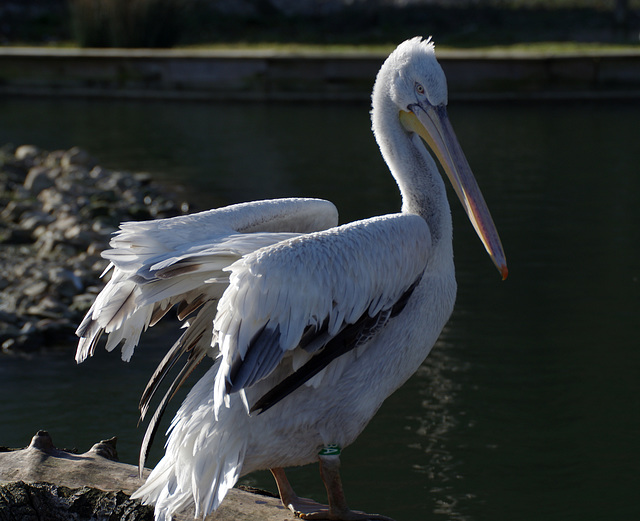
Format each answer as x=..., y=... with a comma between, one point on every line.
x=414, y=63
x=412, y=79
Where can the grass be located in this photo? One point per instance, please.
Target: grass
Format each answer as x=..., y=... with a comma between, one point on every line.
x=550, y=48
x=518, y=25
x=533, y=47
x=125, y=23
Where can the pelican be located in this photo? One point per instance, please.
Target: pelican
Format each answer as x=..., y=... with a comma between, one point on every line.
x=311, y=325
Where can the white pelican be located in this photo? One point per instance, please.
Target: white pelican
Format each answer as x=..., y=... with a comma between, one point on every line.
x=311, y=325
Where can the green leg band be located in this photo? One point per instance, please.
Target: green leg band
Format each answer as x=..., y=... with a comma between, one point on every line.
x=330, y=450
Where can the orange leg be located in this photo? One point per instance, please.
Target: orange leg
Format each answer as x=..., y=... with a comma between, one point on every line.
x=309, y=509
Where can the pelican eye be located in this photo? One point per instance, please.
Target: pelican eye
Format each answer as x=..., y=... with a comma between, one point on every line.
x=419, y=89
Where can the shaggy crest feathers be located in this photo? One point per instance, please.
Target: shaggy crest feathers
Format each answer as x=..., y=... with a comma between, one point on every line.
x=413, y=61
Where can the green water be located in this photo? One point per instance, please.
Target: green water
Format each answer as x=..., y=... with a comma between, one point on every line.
x=527, y=409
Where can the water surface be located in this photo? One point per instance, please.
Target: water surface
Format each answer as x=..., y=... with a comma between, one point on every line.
x=528, y=406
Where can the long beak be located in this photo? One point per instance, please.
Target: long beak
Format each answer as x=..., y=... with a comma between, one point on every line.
x=432, y=124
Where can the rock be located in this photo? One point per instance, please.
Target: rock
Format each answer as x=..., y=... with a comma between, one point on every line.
x=64, y=282
x=77, y=235
x=38, y=179
x=27, y=152
x=54, y=158
x=30, y=220
x=35, y=288
x=16, y=236
x=51, y=199
x=77, y=156
x=7, y=329
x=57, y=213
x=47, y=239
x=48, y=307
x=82, y=303
x=102, y=227
x=14, y=210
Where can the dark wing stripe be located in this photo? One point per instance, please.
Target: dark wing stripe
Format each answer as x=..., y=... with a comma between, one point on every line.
x=158, y=313
x=404, y=298
x=340, y=344
x=192, y=362
x=169, y=360
x=263, y=354
x=349, y=338
x=195, y=342
x=186, y=308
x=315, y=336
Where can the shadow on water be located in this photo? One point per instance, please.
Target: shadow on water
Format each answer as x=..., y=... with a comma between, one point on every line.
x=528, y=406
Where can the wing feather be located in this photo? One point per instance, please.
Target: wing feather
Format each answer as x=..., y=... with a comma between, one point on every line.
x=181, y=261
x=351, y=337
x=325, y=281
x=157, y=264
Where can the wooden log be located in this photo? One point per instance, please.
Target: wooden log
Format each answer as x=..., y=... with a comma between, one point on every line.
x=43, y=482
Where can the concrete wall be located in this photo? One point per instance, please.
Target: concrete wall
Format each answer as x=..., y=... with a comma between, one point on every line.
x=181, y=74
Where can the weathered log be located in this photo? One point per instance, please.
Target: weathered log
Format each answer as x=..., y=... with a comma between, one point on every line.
x=43, y=482
x=22, y=501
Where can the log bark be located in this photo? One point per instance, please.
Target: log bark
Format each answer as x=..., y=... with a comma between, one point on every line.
x=43, y=482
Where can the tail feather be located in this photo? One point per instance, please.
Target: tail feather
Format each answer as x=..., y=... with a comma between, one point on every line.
x=204, y=456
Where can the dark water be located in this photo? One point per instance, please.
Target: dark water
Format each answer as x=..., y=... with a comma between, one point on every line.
x=528, y=407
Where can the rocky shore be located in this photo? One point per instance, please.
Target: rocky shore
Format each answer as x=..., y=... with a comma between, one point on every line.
x=57, y=212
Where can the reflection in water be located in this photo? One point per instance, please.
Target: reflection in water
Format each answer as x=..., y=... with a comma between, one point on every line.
x=526, y=409
x=441, y=414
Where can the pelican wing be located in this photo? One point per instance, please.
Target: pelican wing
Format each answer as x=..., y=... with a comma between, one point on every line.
x=181, y=260
x=315, y=296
